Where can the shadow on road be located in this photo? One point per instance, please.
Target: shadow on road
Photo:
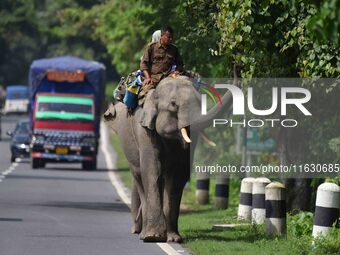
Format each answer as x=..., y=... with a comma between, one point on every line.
x=75, y=169
x=117, y=207
x=5, y=138
x=61, y=178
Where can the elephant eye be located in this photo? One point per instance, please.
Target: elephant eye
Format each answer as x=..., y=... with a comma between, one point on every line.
x=173, y=106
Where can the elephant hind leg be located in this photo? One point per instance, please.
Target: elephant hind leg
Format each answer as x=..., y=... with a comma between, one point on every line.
x=137, y=224
x=136, y=205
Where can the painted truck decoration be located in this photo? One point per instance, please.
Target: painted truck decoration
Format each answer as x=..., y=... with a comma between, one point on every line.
x=65, y=104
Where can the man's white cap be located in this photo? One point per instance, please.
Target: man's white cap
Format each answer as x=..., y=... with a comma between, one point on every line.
x=156, y=36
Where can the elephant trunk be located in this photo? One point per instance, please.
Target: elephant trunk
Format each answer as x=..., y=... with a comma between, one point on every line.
x=204, y=121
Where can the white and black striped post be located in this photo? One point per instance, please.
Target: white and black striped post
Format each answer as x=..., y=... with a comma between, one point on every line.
x=245, y=205
x=202, y=188
x=326, y=209
x=221, y=192
x=276, y=223
x=258, y=212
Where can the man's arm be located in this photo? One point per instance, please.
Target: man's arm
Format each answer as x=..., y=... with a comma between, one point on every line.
x=145, y=65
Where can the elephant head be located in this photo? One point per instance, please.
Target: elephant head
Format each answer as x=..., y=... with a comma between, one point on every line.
x=174, y=108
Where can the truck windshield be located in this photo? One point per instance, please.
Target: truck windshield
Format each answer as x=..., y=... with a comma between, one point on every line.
x=16, y=92
x=65, y=108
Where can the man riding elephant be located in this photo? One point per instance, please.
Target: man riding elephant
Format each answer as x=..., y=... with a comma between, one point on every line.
x=158, y=61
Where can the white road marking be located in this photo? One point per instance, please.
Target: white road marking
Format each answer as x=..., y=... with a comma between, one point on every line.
x=10, y=169
x=118, y=185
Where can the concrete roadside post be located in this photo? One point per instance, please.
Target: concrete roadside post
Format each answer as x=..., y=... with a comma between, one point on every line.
x=258, y=212
x=245, y=205
x=276, y=223
x=202, y=188
x=327, y=208
x=221, y=192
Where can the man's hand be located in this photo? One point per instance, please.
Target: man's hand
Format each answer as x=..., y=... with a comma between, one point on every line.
x=147, y=81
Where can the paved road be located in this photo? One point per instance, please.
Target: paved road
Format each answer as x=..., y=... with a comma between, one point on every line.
x=62, y=210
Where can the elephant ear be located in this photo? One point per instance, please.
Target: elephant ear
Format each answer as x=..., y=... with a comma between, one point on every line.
x=110, y=113
x=148, y=115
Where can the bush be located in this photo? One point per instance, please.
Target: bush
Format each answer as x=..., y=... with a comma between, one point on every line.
x=329, y=244
x=300, y=224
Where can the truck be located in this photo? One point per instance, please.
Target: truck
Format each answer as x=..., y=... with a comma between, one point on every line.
x=66, y=95
x=16, y=99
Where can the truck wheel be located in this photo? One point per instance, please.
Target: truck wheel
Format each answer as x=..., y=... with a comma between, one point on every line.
x=89, y=165
x=35, y=163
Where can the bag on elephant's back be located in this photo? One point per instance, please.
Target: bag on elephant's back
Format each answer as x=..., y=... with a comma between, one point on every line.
x=131, y=94
x=128, y=89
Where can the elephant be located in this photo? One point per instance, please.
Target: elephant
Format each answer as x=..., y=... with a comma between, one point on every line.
x=158, y=141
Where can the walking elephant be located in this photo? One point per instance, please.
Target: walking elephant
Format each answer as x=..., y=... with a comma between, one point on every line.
x=158, y=140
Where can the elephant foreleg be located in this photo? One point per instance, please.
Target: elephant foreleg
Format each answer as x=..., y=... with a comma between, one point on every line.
x=174, y=185
x=172, y=200
x=153, y=187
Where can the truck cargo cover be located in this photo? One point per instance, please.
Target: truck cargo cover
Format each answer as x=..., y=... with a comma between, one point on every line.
x=94, y=70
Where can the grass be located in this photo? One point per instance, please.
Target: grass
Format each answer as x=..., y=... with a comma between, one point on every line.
x=196, y=228
x=196, y=221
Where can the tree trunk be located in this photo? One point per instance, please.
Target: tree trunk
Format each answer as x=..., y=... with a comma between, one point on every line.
x=292, y=151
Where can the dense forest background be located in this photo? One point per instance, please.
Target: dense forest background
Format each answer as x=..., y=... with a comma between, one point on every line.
x=269, y=38
x=294, y=38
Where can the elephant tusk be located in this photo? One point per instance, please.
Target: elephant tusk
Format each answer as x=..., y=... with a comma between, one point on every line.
x=207, y=140
x=185, y=135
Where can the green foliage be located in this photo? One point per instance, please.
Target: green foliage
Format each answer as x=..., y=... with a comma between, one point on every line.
x=125, y=42
x=306, y=245
x=328, y=244
x=33, y=29
x=325, y=24
x=334, y=145
x=274, y=33
x=335, y=180
x=300, y=224
x=316, y=58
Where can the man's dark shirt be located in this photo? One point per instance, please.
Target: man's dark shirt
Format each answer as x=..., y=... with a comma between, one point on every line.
x=158, y=60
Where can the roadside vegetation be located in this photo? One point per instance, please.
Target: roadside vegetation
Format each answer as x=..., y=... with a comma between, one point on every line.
x=196, y=225
x=230, y=38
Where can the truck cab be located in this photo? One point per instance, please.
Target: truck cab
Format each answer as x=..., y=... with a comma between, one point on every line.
x=66, y=95
x=16, y=99
x=64, y=130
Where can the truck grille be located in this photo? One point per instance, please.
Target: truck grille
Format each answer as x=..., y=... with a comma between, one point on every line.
x=62, y=139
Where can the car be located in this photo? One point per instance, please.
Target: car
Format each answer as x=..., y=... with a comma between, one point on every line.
x=20, y=140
